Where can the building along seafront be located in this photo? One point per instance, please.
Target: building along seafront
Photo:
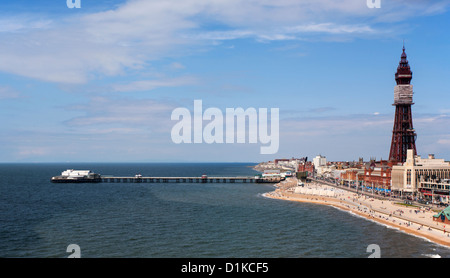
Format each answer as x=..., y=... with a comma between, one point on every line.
x=418, y=178
x=424, y=178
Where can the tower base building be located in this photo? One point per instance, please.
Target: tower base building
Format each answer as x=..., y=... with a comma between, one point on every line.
x=422, y=178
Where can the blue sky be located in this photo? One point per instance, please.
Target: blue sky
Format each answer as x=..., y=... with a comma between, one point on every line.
x=99, y=83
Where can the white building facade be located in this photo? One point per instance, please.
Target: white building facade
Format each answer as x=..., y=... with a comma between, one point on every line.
x=423, y=177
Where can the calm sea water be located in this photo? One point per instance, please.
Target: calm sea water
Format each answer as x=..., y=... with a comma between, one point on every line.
x=40, y=219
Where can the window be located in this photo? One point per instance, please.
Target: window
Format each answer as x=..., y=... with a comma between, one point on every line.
x=408, y=177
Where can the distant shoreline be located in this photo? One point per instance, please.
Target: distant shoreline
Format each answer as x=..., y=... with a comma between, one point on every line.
x=261, y=169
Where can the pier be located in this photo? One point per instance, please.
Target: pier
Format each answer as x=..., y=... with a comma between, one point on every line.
x=188, y=180
x=84, y=176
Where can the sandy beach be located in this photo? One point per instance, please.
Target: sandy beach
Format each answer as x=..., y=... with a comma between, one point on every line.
x=412, y=220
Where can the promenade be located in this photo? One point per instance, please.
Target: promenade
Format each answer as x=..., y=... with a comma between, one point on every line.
x=413, y=220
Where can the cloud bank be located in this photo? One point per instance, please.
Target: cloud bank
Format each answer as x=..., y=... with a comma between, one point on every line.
x=80, y=48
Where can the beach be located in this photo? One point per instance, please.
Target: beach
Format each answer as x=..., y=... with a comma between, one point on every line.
x=417, y=221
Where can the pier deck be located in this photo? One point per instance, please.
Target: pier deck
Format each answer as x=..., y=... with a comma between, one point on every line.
x=189, y=179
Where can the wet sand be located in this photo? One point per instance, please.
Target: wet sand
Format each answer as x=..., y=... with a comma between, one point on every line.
x=411, y=220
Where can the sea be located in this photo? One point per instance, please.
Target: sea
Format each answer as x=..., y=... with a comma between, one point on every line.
x=40, y=219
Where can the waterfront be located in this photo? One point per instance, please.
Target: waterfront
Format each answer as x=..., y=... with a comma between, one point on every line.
x=413, y=220
x=177, y=220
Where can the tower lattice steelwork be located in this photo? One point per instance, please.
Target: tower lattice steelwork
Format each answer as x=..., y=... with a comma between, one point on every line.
x=403, y=134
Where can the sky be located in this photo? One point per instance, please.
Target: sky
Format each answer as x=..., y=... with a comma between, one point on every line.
x=99, y=83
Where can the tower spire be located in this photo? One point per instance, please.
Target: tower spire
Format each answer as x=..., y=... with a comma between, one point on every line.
x=404, y=73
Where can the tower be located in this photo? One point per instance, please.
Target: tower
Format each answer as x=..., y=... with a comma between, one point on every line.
x=403, y=133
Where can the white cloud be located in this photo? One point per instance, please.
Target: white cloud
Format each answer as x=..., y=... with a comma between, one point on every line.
x=332, y=28
x=79, y=48
x=350, y=136
x=333, y=125
x=147, y=85
x=118, y=113
x=18, y=24
x=24, y=152
x=444, y=141
x=176, y=66
x=298, y=32
x=8, y=93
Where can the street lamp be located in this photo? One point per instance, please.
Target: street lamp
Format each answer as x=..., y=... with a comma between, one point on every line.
x=357, y=182
x=432, y=196
x=372, y=189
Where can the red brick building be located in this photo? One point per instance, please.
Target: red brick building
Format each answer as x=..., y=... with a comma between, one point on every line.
x=352, y=175
x=378, y=174
x=306, y=167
